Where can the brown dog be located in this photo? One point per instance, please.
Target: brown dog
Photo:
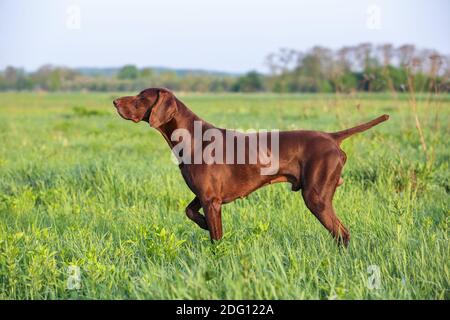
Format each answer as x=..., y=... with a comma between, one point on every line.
x=311, y=161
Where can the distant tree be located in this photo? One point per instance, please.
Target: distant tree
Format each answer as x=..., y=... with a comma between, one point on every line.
x=347, y=81
x=363, y=53
x=250, y=82
x=282, y=61
x=344, y=59
x=406, y=54
x=128, y=72
x=53, y=78
x=387, y=52
x=363, y=67
x=146, y=73
x=313, y=71
x=16, y=79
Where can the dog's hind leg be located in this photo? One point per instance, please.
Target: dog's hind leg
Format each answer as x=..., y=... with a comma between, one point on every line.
x=320, y=182
x=213, y=213
x=193, y=213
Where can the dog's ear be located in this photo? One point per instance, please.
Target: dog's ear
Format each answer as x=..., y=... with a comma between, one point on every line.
x=163, y=110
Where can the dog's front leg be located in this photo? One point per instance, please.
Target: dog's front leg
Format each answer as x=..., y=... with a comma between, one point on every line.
x=194, y=215
x=212, y=209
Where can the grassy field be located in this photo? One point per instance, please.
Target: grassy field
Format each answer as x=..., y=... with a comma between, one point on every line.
x=82, y=188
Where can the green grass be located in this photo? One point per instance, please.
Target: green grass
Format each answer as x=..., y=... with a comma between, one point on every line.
x=80, y=186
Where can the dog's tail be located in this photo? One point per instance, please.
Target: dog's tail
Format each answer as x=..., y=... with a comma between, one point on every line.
x=341, y=135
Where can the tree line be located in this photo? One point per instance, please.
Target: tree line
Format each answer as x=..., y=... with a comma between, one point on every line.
x=364, y=67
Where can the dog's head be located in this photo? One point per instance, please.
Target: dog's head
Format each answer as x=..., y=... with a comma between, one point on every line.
x=154, y=105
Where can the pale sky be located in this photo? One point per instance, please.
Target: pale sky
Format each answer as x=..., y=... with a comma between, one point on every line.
x=226, y=35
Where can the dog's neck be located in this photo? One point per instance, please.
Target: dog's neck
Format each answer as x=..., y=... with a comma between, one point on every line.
x=183, y=119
